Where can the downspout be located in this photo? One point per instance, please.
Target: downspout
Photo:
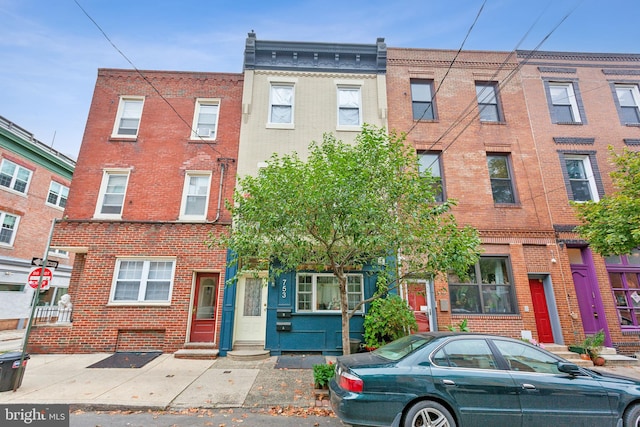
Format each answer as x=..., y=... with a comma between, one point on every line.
x=222, y=164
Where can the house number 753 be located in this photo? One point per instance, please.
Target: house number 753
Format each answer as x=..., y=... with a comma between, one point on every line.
x=284, y=288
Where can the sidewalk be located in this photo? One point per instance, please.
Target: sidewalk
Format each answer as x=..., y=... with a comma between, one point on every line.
x=170, y=383
x=165, y=382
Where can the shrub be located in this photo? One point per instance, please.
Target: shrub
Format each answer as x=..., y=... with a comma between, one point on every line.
x=323, y=373
x=388, y=319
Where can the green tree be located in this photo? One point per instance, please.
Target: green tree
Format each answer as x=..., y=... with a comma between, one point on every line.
x=346, y=205
x=612, y=225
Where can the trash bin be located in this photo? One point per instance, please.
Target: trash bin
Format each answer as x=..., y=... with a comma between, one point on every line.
x=354, y=345
x=9, y=364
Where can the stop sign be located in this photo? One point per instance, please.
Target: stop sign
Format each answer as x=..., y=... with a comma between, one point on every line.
x=34, y=277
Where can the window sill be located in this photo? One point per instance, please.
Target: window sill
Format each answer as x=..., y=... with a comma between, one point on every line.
x=507, y=205
x=12, y=191
x=569, y=123
x=138, y=304
x=120, y=138
x=280, y=126
x=492, y=122
x=632, y=125
x=343, y=128
x=425, y=120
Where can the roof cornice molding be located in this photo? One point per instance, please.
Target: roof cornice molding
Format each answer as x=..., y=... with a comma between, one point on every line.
x=314, y=56
x=579, y=56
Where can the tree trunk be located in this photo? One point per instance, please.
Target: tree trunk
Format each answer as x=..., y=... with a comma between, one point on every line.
x=344, y=310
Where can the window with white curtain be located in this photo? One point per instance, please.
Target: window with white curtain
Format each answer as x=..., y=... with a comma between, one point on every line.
x=143, y=280
x=349, y=106
x=320, y=292
x=195, y=196
x=281, y=104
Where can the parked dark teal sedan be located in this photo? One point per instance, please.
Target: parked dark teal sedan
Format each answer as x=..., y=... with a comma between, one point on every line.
x=466, y=380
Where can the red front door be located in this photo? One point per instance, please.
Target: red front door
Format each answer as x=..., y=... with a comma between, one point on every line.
x=203, y=315
x=540, y=310
x=417, y=297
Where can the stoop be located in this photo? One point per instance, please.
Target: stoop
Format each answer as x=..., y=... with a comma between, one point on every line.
x=248, y=350
x=197, y=350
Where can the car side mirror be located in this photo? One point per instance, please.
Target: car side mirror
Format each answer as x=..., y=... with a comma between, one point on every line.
x=569, y=368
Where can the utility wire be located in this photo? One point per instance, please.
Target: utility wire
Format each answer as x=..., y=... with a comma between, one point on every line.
x=433, y=98
x=145, y=78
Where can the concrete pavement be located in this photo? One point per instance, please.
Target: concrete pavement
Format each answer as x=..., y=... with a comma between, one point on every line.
x=163, y=383
x=169, y=383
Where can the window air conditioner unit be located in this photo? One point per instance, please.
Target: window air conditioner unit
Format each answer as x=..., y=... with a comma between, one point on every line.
x=204, y=132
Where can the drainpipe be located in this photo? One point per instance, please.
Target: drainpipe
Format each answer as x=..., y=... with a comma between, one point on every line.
x=223, y=163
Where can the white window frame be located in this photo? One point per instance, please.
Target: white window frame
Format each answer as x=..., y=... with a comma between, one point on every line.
x=144, y=281
x=635, y=96
x=103, y=191
x=272, y=103
x=314, y=292
x=186, y=194
x=3, y=217
x=120, y=115
x=58, y=253
x=571, y=99
x=14, y=177
x=348, y=86
x=588, y=170
x=61, y=192
x=205, y=133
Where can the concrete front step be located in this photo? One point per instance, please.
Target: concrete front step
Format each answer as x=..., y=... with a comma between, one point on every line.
x=608, y=353
x=253, y=354
x=197, y=353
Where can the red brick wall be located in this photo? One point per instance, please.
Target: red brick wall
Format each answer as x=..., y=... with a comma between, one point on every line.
x=521, y=231
x=163, y=151
x=100, y=327
x=158, y=159
x=35, y=215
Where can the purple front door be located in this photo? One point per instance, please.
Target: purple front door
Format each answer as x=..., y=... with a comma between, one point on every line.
x=589, y=300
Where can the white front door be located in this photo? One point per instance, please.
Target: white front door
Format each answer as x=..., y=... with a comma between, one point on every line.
x=251, y=309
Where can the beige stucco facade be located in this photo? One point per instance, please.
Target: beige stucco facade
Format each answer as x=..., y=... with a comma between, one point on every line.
x=315, y=112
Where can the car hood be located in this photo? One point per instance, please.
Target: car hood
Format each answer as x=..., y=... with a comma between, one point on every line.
x=363, y=360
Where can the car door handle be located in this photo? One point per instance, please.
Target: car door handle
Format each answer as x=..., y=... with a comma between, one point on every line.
x=448, y=382
x=528, y=386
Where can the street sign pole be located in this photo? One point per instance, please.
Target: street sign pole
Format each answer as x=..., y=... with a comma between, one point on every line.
x=36, y=298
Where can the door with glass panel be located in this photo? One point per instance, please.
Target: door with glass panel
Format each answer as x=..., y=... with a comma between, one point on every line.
x=251, y=309
x=203, y=315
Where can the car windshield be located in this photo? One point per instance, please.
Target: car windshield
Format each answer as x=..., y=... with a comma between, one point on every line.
x=398, y=349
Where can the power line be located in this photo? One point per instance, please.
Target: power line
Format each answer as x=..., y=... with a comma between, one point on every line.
x=433, y=98
x=193, y=132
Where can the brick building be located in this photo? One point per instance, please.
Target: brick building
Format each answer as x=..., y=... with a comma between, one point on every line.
x=469, y=123
x=34, y=184
x=580, y=104
x=514, y=138
x=157, y=161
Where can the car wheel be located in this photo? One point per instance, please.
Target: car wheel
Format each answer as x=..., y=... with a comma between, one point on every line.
x=632, y=416
x=427, y=413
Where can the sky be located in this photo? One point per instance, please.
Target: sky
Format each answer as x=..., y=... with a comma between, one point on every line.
x=50, y=50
